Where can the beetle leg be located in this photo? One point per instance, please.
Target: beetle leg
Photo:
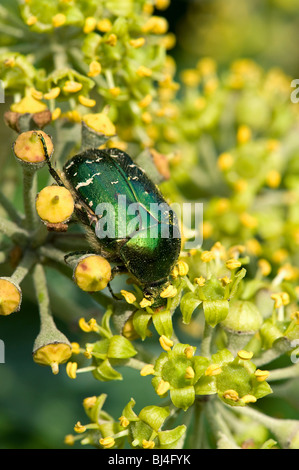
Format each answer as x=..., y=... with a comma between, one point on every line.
x=117, y=270
x=112, y=293
x=75, y=253
x=52, y=171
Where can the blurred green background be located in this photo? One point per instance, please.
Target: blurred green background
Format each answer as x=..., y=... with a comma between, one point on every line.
x=37, y=409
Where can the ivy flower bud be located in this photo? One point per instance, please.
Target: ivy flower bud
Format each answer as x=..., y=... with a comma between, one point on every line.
x=10, y=296
x=52, y=352
x=54, y=204
x=28, y=147
x=165, y=343
x=92, y=273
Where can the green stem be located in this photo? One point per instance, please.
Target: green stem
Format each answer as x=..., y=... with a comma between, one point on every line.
x=285, y=373
x=41, y=290
x=10, y=209
x=219, y=426
x=24, y=267
x=282, y=346
x=283, y=429
x=11, y=230
x=29, y=193
x=206, y=340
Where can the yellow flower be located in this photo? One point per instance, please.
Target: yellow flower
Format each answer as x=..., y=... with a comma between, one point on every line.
x=190, y=77
x=264, y=266
x=169, y=292
x=248, y=399
x=200, y=281
x=207, y=256
x=225, y=281
x=129, y=296
x=58, y=20
x=145, y=303
x=31, y=20
x=281, y=299
x=147, y=370
x=84, y=325
x=165, y=343
x=136, y=43
x=75, y=348
x=273, y=179
x=124, y=422
x=56, y=114
x=89, y=25
x=162, y=4
x=72, y=86
x=104, y=25
x=189, y=352
x=213, y=369
x=107, y=442
x=89, y=103
x=183, y=268
x=114, y=91
x=148, y=444
x=71, y=369
x=225, y=161
x=95, y=68
x=155, y=25
x=190, y=374
x=79, y=428
x=243, y=134
x=111, y=40
x=261, y=375
x=143, y=71
x=245, y=355
x=89, y=402
x=28, y=104
x=69, y=440
x=233, y=263
x=163, y=387
x=231, y=395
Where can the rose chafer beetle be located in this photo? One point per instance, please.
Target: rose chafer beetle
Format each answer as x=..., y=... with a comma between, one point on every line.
x=145, y=246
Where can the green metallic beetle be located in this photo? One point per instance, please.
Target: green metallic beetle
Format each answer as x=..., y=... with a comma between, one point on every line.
x=146, y=246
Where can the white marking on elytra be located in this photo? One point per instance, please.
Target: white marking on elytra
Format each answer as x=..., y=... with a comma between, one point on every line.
x=114, y=182
x=87, y=182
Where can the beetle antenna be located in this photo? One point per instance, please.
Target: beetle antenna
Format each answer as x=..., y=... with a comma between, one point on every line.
x=52, y=171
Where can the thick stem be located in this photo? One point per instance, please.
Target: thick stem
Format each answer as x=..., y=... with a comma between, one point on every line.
x=24, y=267
x=29, y=193
x=206, y=340
x=10, y=209
x=11, y=230
x=284, y=373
